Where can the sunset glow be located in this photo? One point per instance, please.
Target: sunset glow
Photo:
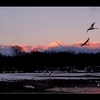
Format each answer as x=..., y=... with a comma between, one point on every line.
x=43, y=25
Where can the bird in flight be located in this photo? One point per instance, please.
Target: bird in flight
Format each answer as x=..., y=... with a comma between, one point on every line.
x=85, y=42
x=91, y=27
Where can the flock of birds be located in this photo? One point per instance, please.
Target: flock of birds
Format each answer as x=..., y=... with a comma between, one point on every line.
x=85, y=43
x=91, y=28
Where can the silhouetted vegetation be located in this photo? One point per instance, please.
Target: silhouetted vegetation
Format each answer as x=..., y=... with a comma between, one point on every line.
x=40, y=61
x=40, y=86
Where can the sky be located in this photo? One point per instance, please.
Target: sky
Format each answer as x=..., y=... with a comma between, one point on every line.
x=44, y=25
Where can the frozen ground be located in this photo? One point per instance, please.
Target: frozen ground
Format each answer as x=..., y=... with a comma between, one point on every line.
x=43, y=76
x=59, y=86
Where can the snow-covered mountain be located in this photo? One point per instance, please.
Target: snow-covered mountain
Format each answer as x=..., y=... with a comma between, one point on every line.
x=57, y=43
x=91, y=47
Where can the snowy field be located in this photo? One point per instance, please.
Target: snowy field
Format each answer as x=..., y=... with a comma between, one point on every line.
x=27, y=85
x=43, y=76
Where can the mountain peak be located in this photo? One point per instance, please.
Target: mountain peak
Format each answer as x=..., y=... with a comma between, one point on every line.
x=57, y=46
x=57, y=43
x=60, y=42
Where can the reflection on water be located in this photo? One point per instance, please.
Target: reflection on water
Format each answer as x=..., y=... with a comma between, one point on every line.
x=85, y=83
x=77, y=90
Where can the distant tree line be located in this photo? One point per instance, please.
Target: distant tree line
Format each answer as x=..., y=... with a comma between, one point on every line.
x=39, y=61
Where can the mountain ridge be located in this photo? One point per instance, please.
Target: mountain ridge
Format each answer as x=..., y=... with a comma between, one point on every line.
x=91, y=47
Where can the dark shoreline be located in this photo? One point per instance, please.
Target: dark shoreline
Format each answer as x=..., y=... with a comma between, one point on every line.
x=40, y=86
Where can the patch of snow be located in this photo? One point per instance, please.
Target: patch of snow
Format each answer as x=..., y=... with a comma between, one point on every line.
x=44, y=76
x=29, y=86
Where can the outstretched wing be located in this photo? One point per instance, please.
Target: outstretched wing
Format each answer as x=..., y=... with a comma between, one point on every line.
x=93, y=24
x=88, y=29
x=86, y=41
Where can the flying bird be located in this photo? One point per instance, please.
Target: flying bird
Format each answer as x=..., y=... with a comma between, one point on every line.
x=85, y=42
x=91, y=27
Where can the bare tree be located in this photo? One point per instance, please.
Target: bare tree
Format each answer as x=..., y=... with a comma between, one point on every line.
x=16, y=50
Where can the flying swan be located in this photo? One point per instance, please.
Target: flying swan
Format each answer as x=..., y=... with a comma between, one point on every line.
x=85, y=42
x=92, y=27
